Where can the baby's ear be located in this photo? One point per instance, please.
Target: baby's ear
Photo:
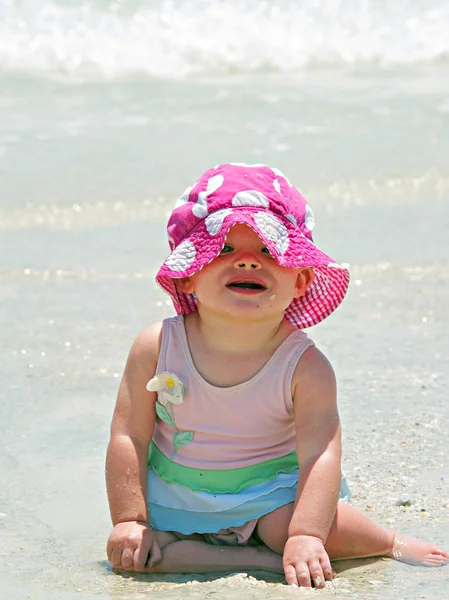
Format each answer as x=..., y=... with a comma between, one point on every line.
x=185, y=285
x=304, y=280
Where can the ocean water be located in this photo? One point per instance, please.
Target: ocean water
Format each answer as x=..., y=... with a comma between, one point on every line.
x=108, y=110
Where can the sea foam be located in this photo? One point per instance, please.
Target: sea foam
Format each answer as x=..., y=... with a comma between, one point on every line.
x=118, y=39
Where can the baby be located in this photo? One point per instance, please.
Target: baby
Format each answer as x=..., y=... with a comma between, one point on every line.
x=225, y=444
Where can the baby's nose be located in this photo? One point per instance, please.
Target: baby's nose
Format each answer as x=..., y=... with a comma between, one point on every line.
x=248, y=261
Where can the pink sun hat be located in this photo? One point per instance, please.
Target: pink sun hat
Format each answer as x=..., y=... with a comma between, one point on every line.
x=264, y=199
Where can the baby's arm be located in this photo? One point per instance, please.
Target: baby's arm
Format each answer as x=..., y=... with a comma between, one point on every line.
x=318, y=445
x=132, y=541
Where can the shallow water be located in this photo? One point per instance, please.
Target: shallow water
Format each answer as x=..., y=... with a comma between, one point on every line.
x=89, y=166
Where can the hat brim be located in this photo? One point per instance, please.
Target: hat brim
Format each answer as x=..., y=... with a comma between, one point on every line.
x=288, y=246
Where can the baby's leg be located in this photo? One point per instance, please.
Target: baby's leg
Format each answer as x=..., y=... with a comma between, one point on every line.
x=354, y=535
x=191, y=554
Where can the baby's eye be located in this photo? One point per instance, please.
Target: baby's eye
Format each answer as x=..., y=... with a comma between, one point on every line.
x=266, y=251
x=226, y=249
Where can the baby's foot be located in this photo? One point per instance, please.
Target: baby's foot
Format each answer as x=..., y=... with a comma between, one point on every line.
x=416, y=552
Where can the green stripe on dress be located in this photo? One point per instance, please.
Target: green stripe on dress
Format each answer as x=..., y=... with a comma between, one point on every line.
x=219, y=481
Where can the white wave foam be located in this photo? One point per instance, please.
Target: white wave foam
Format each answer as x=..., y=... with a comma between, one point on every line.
x=160, y=38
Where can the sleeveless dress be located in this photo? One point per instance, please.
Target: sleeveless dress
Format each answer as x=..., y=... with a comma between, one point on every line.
x=224, y=457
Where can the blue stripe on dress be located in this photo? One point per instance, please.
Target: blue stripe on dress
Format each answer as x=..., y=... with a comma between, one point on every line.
x=176, y=508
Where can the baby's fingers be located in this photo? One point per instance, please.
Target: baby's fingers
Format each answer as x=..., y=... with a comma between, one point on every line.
x=299, y=576
x=290, y=575
x=127, y=558
x=327, y=568
x=140, y=557
x=155, y=554
x=115, y=556
x=317, y=574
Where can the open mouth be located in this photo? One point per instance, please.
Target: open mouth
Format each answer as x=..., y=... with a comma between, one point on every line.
x=246, y=285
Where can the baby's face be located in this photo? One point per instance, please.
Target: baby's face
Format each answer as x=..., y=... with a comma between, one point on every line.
x=245, y=279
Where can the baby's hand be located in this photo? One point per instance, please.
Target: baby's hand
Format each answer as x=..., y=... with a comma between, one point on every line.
x=132, y=546
x=306, y=560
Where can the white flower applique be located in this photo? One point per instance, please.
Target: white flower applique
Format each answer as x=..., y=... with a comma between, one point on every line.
x=170, y=391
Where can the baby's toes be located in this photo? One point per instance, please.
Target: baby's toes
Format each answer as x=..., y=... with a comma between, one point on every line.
x=437, y=557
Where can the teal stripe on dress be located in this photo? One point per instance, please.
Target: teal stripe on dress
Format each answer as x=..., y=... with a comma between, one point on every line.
x=175, y=508
x=219, y=481
x=188, y=522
